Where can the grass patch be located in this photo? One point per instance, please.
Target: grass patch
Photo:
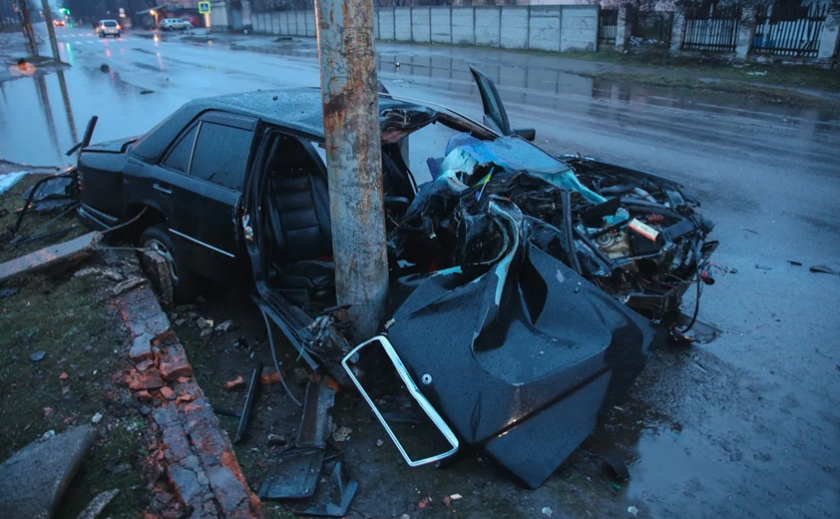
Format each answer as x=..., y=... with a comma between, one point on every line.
x=69, y=320
x=798, y=76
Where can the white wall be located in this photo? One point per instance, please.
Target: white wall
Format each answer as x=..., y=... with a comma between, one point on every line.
x=549, y=28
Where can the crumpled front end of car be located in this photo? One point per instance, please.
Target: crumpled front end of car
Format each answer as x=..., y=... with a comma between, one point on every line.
x=530, y=291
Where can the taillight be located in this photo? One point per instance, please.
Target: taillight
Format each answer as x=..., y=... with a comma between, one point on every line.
x=118, y=27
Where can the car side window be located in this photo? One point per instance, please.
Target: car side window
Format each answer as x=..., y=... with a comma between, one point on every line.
x=178, y=158
x=221, y=155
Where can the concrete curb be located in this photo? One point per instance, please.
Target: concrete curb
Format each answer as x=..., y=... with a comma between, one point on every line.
x=191, y=465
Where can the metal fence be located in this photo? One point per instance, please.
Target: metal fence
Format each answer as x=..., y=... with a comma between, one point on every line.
x=607, y=26
x=786, y=29
x=712, y=28
x=653, y=25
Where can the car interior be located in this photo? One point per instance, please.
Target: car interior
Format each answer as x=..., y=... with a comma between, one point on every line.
x=296, y=226
x=298, y=219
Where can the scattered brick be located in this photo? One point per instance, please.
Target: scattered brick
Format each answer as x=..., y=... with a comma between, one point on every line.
x=191, y=464
x=167, y=393
x=332, y=384
x=145, y=364
x=269, y=376
x=237, y=383
x=185, y=397
x=176, y=365
x=143, y=395
x=148, y=380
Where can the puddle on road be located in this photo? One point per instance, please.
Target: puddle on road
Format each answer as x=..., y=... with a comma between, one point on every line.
x=547, y=87
x=43, y=110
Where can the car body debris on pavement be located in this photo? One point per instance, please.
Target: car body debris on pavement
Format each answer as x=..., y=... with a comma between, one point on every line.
x=527, y=290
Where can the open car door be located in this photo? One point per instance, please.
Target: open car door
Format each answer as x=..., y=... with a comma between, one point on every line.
x=495, y=115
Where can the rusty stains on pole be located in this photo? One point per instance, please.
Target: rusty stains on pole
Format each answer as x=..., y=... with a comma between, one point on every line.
x=352, y=134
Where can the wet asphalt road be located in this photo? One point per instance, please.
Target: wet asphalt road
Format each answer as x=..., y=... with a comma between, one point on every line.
x=746, y=426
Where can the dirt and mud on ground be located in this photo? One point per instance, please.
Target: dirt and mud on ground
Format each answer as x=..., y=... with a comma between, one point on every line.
x=387, y=487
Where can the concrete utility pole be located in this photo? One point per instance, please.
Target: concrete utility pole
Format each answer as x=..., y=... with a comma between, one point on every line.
x=27, y=28
x=50, y=28
x=351, y=128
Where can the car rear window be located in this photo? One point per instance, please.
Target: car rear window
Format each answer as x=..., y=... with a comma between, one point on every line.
x=179, y=158
x=221, y=155
x=109, y=23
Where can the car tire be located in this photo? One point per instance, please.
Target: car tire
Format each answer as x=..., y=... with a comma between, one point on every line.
x=184, y=281
x=119, y=35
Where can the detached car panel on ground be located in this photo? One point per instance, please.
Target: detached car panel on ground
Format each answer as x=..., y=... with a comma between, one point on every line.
x=526, y=289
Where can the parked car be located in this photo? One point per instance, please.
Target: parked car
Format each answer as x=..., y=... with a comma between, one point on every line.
x=59, y=23
x=174, y=24
x=526, y=289
x=108, y=28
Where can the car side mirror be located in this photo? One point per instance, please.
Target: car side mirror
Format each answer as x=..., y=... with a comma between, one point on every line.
x=529, y=134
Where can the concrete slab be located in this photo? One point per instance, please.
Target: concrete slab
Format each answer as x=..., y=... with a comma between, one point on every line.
x=60, y=253
x=33, y=480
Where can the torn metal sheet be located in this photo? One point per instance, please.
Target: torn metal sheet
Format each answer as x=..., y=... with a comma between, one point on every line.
x=335, y=499
x=294, y=475
x=698, y=332
x=316, y=423
x=245, y=416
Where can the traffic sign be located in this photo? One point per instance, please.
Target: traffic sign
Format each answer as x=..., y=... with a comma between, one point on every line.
x=204, y=7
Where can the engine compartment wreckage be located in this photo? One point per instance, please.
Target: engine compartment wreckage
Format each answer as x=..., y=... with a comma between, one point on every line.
x=526, y=290
x=550, y=281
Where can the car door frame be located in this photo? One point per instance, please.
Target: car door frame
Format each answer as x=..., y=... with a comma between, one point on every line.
x=216, y=255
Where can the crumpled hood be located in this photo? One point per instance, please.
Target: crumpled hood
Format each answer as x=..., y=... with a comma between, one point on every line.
x=522, y=351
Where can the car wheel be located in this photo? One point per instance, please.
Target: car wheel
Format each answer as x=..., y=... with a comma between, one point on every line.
x=119, y=35
x=184, y=281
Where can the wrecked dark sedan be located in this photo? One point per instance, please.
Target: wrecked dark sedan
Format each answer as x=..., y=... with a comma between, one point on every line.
x=526, y=289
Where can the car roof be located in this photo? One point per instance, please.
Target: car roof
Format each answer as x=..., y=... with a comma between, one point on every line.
x=298, y=109
x=294, y=108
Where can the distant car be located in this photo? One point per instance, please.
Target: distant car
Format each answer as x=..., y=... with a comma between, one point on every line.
x=174, y=24
x=58, y=23
x=108, y=28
